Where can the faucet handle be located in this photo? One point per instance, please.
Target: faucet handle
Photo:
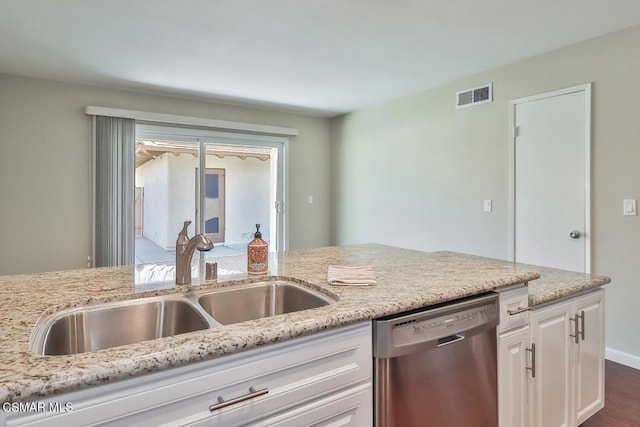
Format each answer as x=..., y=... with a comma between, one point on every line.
x=211, y=271
x=183, y=238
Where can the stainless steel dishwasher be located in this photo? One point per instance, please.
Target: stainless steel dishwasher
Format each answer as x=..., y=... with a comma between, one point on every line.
x=438, y=366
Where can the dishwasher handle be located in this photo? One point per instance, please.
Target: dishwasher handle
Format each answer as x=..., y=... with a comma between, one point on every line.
x=450, y=339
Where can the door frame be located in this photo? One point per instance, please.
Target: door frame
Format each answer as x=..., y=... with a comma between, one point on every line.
x=586, y=88
x=135, y=214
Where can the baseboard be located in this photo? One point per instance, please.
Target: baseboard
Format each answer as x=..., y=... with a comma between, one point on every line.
x=623, y=358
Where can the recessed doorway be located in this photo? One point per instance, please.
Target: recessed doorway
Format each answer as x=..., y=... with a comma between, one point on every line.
x=214, y=203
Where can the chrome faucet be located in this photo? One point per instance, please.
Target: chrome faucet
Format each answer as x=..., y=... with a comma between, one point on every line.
x=184, y=252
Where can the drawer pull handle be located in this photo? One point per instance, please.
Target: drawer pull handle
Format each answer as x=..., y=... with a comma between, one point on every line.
x=224, y=403
x=532, y=350
x=576, y=328
x=517, y=311
x=578, y=333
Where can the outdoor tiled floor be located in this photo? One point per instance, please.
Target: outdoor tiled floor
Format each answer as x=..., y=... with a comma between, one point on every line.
x=148, y=252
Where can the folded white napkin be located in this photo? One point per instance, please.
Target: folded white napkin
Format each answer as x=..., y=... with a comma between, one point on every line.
x=342, y=275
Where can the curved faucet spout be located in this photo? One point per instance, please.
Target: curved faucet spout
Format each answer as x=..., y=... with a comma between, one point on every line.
x=199, y=242
x=185, y=248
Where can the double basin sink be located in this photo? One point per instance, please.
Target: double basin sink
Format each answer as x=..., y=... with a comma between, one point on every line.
x=97, y=327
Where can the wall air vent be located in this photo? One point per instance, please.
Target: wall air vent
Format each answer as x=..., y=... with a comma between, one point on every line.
x=474, y=96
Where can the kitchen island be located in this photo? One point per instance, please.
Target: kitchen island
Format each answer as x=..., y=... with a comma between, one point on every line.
x=407, y=280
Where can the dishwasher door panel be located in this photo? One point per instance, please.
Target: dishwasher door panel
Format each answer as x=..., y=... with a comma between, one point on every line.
x=452, y=385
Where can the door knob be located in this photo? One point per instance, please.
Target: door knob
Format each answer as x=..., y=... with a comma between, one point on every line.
x=574, y=234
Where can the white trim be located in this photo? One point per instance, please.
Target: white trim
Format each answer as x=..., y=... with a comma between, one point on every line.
x=187, y=120
x=202, y=166
x=623, y=358
x=282, y=197
x=552, y=93
x=511, y=216
x=587, y=179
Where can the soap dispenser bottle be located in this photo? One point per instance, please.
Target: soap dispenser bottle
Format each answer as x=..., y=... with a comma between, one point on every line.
x=257, y=254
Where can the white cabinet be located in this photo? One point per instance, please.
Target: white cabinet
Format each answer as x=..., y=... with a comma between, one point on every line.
x=513, y=378
x=589, y=356
x=568, y=386
x=550, y=364
x=514, y=309
x=326, y=376
x=551, y=374
x=513, y=342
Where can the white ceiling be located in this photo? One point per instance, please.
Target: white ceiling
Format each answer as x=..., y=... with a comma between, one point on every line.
x=322, y=56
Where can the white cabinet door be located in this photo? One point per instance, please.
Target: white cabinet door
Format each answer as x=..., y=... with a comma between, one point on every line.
x=513, y=378
x=589, y=356
x=568, y=387
x=551, y=386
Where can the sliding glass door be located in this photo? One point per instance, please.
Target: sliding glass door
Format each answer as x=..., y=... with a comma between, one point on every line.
x=224, y=183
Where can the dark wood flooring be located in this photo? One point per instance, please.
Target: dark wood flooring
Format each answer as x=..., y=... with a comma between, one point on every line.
x=622, y=398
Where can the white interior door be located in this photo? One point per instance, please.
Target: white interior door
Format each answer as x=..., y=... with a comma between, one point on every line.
x=552, y=179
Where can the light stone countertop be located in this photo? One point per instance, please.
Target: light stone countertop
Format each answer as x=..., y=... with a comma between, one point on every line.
x=406, y=280
x=553, y=284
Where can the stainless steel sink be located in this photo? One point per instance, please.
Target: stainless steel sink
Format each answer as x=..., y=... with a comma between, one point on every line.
x=101, y=326
x=254, y=301
x=85, y=329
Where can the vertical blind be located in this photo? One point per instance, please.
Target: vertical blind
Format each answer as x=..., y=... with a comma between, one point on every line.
x=114, y=191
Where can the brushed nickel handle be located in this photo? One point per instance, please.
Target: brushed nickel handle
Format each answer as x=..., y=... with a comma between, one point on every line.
x=224, y=403
x=517, y=311
x=450, y=339
x=581, y=324
x=211, y=271
x=532, y=350
x=575, y=234
x=576, y=328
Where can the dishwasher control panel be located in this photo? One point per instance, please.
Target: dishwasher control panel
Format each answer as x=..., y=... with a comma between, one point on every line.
x=444, y=326
x=436, y=327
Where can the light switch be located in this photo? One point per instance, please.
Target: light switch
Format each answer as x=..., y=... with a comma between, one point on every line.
x=629, y=207
x=310, y=200
x=487, y=205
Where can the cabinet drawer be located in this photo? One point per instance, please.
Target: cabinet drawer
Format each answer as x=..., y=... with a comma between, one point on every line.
x=352, y=408
x=513, y=301
x=293, y=376
x=293, y=372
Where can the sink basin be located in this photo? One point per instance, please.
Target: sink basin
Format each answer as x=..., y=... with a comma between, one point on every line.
x=254, y=301
x=101, y=326
x=87, y=329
